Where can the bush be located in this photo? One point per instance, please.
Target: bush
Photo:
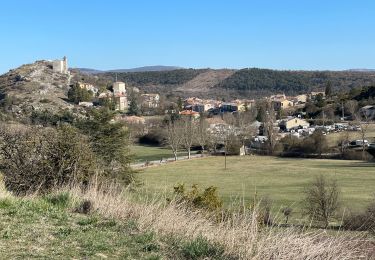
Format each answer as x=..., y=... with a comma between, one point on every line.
x=156, y=138
x=363, y=221
x=60, y=200
x=313, y=144
x=207, y=199
x=200, y=248
x=321, y=200
x=39, y=159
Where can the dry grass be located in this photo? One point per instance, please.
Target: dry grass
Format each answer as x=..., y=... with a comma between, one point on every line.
x=241, y=236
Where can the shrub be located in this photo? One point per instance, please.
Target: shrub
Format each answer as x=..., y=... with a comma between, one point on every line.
x=153, y=138
x=39, y=159
x=321, y=200
x=363, y=221
x=316, y=143
x=207, y=199
x=45, y=100
x=48, y=118
x=201, y=248
x=59, y=200
x=287, y=211
x=85, y=207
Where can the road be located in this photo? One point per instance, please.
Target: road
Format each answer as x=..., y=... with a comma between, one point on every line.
x=140, y=165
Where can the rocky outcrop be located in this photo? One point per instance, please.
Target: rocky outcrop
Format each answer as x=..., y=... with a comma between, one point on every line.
x=34, y=87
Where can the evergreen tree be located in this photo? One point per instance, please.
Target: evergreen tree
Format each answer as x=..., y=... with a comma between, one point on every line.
x=328, y=90
x=77, y=94
x=110, y=141
x=179, y=104
x=133, y=107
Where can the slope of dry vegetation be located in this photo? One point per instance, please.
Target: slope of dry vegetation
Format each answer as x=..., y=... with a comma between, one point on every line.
x=158, y=230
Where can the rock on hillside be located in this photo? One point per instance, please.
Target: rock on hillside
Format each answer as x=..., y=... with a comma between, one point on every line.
x=35, y=87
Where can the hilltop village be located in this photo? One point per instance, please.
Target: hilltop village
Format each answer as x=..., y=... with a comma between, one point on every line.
x=264, y=124
x=296, y=116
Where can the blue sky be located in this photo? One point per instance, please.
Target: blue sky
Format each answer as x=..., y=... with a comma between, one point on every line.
x=279, y=34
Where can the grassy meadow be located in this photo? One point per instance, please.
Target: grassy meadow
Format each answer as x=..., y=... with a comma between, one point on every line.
x=282, y=179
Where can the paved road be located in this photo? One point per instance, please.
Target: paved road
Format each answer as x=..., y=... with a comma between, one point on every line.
x=139, y=165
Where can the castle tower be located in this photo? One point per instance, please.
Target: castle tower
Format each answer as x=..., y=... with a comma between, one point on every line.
x=61, y=66
x=119, y=92
x=65, y=65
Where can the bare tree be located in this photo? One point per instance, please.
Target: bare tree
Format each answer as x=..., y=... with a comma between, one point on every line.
x=343, y=142
x=174, y=137
x=321, y=200
x=189, y=129
x=351, y=106
x=245, y=123
x=363, y=120
x=269, y=129
x=202, y=134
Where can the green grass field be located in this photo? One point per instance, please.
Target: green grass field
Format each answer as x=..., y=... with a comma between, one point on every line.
x=279, y=178
x=144, y=153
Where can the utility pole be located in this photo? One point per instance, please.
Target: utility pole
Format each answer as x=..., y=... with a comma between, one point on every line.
x=323, y=118
x=225, y=153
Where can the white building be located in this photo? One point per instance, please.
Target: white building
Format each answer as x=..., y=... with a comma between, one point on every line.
x=60, y=66
x=119, y=88
x=119, y=93
x=150, y=100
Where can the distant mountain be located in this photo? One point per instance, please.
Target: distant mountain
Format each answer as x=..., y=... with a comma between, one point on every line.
x=88, y=71
x=139, y=69
x=362, y=70
x=148, y=68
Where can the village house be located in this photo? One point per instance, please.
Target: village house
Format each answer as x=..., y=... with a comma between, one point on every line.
x=300, y=99
x=282, y=104
x=134, y=120
x=200, y=105
x=278, y=97
x=368, y=111
x=88, y=86
x=193, y=114
x=150, y=100
x=291, y=123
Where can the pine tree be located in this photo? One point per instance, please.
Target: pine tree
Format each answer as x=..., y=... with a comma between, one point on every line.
x=133, y=107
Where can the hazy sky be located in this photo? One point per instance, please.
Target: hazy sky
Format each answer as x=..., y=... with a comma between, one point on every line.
x=109, y=34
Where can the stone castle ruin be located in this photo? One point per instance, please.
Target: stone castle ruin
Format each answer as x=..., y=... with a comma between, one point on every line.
x=61, y=66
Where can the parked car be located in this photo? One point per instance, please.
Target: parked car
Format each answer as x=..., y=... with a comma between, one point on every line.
x=358, y=143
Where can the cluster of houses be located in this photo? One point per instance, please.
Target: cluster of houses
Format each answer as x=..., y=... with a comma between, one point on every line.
x=194, y=106
x=282, y=102
x=118, y=96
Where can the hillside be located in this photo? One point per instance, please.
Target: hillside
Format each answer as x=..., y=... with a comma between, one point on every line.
x=264, y=81
x=241, y=83
x=34, y=87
